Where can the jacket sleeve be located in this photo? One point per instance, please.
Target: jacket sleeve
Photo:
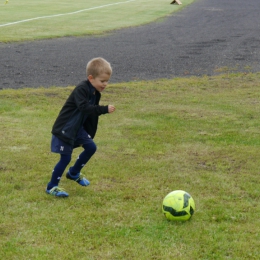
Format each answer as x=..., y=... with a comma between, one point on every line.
x=81, y=99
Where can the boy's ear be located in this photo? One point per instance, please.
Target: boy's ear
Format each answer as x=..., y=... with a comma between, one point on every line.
x=90, y=77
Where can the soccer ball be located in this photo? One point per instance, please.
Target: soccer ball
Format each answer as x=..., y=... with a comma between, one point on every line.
x=178, y=205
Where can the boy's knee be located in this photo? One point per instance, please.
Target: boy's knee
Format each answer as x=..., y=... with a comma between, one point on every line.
x=90, y=148
x=93, y=148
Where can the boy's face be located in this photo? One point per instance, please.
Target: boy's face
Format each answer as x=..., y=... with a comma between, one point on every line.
x=100, y=82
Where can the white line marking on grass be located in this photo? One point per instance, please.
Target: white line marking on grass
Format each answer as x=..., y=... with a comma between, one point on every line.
x=56, y=15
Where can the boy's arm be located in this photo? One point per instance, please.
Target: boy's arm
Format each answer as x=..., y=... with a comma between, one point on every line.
x=81, y=98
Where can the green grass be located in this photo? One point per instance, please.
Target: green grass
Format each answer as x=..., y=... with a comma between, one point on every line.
x=89, y=22
x=196, y=134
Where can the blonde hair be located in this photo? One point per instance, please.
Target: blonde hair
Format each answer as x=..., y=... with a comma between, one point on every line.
x=98, y=66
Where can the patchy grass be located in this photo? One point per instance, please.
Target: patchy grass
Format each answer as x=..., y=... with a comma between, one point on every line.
x=196, y=134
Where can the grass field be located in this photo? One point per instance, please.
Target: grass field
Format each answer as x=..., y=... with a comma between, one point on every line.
x=196, y=134
x=47, y=19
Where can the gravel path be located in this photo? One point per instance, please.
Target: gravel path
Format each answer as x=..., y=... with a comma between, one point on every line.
x=198, y=40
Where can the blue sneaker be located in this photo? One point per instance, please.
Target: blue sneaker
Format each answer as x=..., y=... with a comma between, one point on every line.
x=57, y=192
x=79, y=178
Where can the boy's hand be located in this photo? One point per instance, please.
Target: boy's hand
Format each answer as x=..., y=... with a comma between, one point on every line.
x=111, y=108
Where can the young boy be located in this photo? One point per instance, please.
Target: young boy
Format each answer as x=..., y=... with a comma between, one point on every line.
x=76, y=125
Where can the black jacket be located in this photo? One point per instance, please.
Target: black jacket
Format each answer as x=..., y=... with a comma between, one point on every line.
x=77, y=112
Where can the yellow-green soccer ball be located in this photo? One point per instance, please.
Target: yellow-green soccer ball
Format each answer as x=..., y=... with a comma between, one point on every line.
x=178, y=205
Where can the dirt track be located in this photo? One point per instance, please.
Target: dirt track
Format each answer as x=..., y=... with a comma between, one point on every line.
x=199, y=40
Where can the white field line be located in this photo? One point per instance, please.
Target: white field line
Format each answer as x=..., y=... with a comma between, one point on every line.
x=57, y=15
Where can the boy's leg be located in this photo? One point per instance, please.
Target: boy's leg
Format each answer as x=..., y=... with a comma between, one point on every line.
x=89, y=149
x=65, y=151
x=58, y=170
